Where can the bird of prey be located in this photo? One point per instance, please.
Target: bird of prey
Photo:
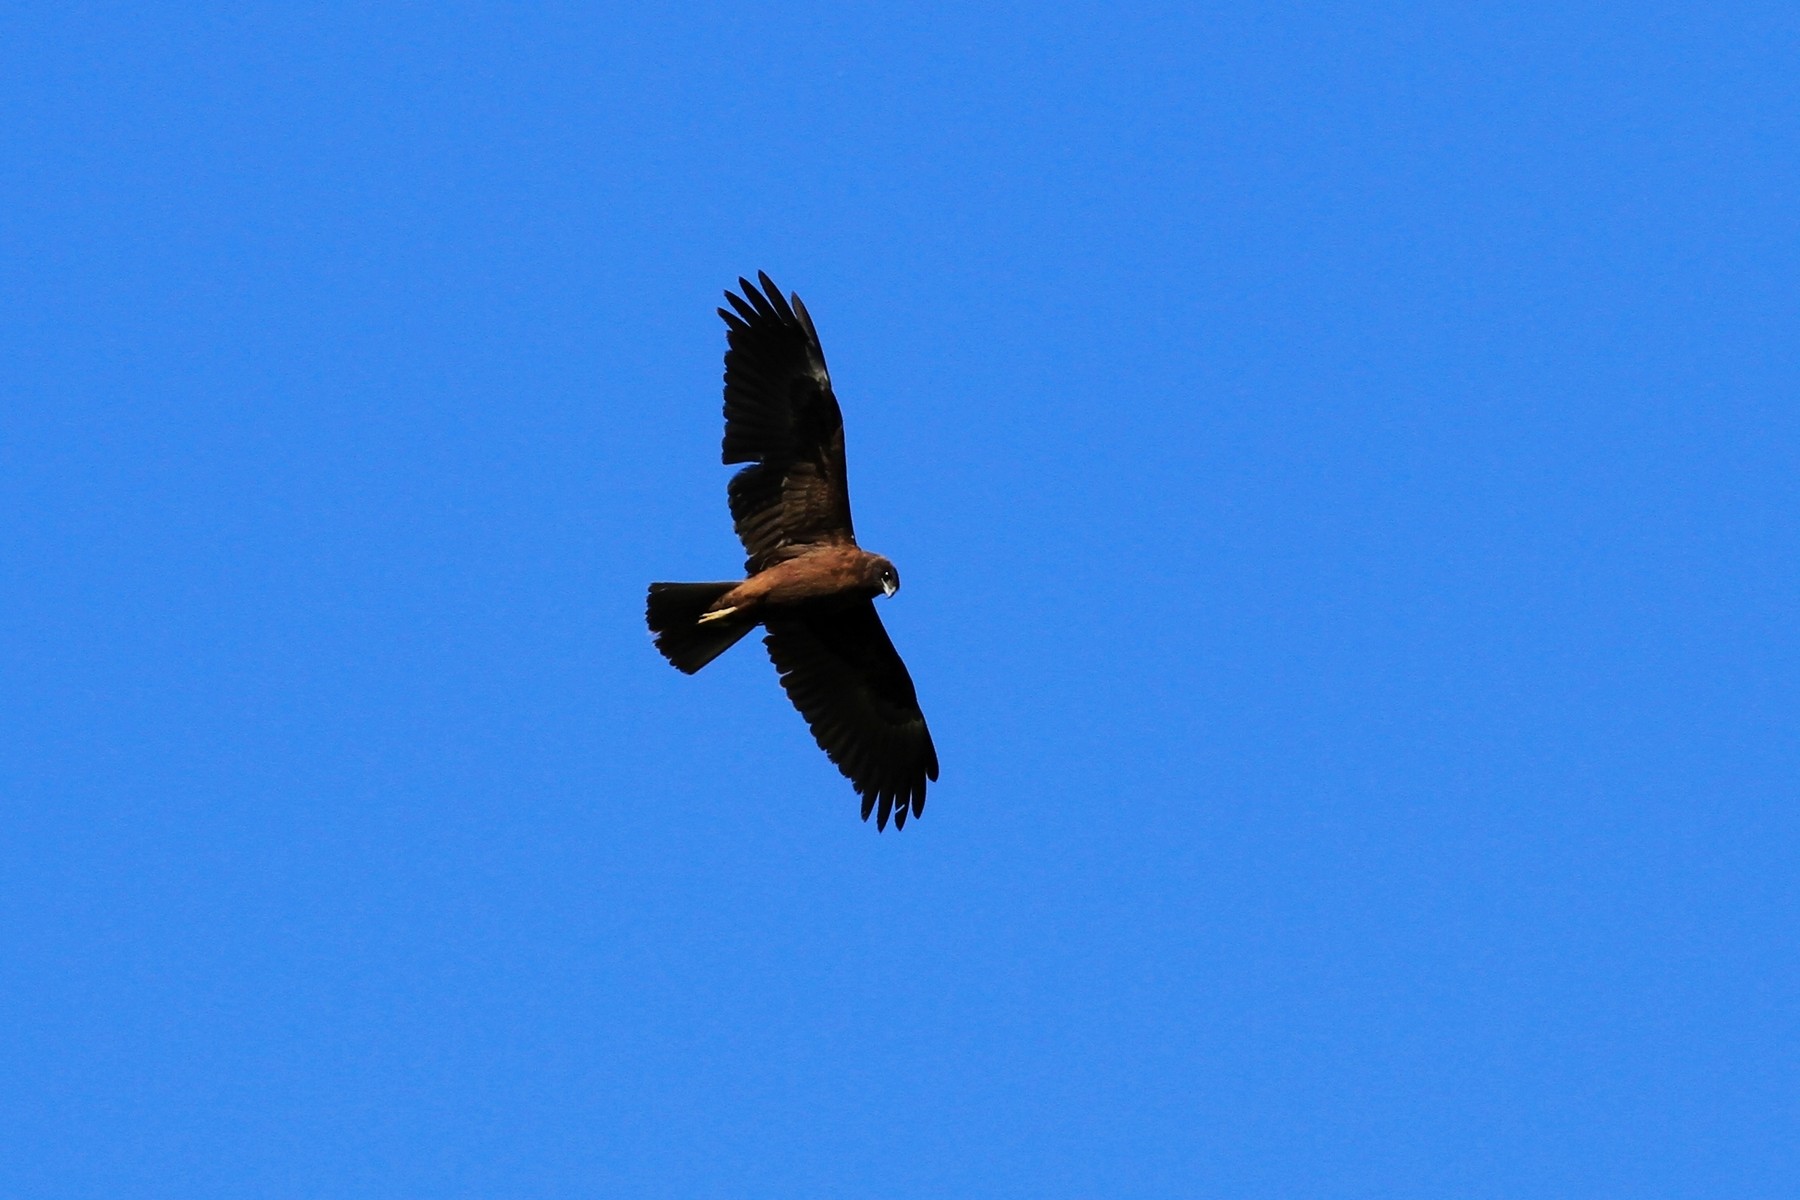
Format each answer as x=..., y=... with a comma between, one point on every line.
x=809, y=585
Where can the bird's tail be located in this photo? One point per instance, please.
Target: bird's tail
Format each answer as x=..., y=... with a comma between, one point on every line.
x=675, y=613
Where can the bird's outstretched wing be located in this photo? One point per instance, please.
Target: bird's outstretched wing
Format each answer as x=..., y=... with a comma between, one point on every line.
x=847, y=680
x=781, y=417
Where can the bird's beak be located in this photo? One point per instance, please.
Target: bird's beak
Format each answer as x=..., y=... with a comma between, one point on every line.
x=888, y=588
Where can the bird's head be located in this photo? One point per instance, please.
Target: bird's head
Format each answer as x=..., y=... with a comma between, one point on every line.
x=883, y=575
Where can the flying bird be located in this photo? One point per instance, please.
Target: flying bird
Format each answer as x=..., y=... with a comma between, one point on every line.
x=809, y=585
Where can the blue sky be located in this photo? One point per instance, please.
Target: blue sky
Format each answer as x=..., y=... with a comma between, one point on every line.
x=1342, y=463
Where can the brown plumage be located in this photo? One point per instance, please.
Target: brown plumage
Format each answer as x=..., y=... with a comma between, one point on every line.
x=810, y=586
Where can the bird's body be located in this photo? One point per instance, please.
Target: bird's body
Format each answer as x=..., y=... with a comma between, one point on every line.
x=826, y=575
x=810, y=586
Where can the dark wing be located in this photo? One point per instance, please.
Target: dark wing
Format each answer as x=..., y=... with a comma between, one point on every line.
x=847, y=680
x=780, y=416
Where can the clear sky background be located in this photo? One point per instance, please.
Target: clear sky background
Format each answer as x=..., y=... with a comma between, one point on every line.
x=1342, y=462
